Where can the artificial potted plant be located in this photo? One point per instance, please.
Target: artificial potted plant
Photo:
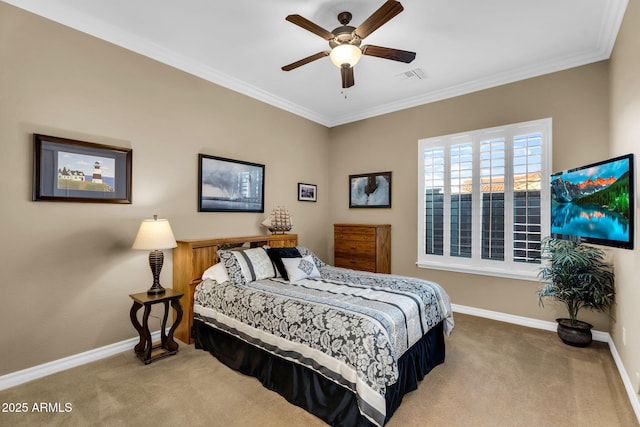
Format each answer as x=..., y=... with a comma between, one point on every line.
x=577, y=275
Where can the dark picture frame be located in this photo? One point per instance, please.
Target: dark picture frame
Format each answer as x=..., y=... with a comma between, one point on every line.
x=370, y=190
x=68, y=170
x=307, y=192
x=227, y=185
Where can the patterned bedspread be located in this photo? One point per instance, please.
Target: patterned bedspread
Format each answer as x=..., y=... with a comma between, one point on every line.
x=349, y=326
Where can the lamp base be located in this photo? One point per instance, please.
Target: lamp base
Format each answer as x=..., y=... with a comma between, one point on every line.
x=159, y=290
x=156, y=259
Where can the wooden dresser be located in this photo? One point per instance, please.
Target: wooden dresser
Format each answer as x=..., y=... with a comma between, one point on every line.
x=192, y=257
x=365, y=247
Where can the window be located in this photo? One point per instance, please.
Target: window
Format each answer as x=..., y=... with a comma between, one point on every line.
x=484, y=200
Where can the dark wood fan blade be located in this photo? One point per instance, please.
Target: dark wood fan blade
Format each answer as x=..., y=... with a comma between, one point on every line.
x=347, y=76
x=388, y=53
x=309, y=26
x=380, y=17
x=305, y=60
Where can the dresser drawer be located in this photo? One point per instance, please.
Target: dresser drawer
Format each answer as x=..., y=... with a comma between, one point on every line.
x=355, y=237
x=369, y=231
x=351, y=248
x=356, y=263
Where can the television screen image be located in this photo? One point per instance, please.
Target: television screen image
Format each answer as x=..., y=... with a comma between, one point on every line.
x=595, y=203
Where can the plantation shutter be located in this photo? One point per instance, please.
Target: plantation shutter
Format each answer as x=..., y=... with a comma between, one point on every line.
x=484, y=200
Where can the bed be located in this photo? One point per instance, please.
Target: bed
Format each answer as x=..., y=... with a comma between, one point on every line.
x=344, y=345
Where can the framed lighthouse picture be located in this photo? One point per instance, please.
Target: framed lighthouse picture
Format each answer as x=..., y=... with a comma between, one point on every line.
x=67, y=170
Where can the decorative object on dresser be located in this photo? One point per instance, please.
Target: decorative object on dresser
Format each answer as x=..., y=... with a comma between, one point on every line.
x=145, y=349
x=155, y=235
x=307, y=192
x=364, y=247
x=279, y=221
x=66, y=170
x=191, y=258
x=370, y=190
x=226, y=185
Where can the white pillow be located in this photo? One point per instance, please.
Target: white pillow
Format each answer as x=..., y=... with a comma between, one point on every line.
x=217, y=272
x=247, y=265
x=300, y=268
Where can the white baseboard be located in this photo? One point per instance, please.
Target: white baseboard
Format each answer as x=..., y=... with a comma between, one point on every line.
x=29, y=374
x=552, y=326
x=522, y=321
x=631, y=392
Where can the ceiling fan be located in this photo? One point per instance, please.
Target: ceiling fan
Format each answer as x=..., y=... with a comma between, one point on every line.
x=345, y=41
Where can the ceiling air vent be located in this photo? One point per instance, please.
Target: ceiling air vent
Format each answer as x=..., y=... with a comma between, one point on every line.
x=415, y=74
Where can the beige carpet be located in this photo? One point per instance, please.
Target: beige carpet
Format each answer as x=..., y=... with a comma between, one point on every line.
x=495, y=374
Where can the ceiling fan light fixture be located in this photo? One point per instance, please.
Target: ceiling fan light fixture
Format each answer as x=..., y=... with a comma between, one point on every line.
x=345, y=54
x=345, y=41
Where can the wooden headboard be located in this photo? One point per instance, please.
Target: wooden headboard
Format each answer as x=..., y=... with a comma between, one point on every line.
x=192, y=257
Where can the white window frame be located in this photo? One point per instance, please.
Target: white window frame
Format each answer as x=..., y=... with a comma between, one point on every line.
x=475, y=264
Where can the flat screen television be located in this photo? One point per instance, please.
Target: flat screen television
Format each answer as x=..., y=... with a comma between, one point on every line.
x=595, y=203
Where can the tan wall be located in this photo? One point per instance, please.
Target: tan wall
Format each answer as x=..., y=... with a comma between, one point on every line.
x=625, y=138
x=576, y=100
x=66, y=269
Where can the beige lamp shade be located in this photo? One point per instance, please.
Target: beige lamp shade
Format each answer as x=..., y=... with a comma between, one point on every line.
x=154, y=234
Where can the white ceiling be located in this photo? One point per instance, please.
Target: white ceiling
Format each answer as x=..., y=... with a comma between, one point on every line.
x=462, y=45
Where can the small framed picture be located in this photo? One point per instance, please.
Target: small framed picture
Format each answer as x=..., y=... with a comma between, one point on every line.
x=226, y=185
x=67, y=170
x=307, y=192
x=370, y=190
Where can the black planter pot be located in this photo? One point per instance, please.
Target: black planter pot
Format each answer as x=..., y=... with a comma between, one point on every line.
x=577, y=334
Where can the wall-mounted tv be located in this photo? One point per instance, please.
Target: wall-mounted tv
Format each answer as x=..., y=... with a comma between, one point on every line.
x=595, y=203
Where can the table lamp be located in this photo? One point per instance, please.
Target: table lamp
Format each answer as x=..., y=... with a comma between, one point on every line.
x=155, y=235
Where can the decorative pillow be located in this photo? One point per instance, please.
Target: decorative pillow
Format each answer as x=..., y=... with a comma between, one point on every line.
x=247, y=265
x=304, y=252
x=300, y=268
x=216, y=272
x=276, y=255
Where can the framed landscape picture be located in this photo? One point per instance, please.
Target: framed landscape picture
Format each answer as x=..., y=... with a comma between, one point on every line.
x=307, y=192
x=370, y=190
x=67, y=170
x=226, y=185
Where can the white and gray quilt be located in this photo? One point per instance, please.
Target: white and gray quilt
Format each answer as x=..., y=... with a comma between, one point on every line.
x=349, y=326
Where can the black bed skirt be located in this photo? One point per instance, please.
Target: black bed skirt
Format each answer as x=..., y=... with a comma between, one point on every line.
x=311, y=391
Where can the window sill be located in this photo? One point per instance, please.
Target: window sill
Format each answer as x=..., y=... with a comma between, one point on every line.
x=530, y=274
